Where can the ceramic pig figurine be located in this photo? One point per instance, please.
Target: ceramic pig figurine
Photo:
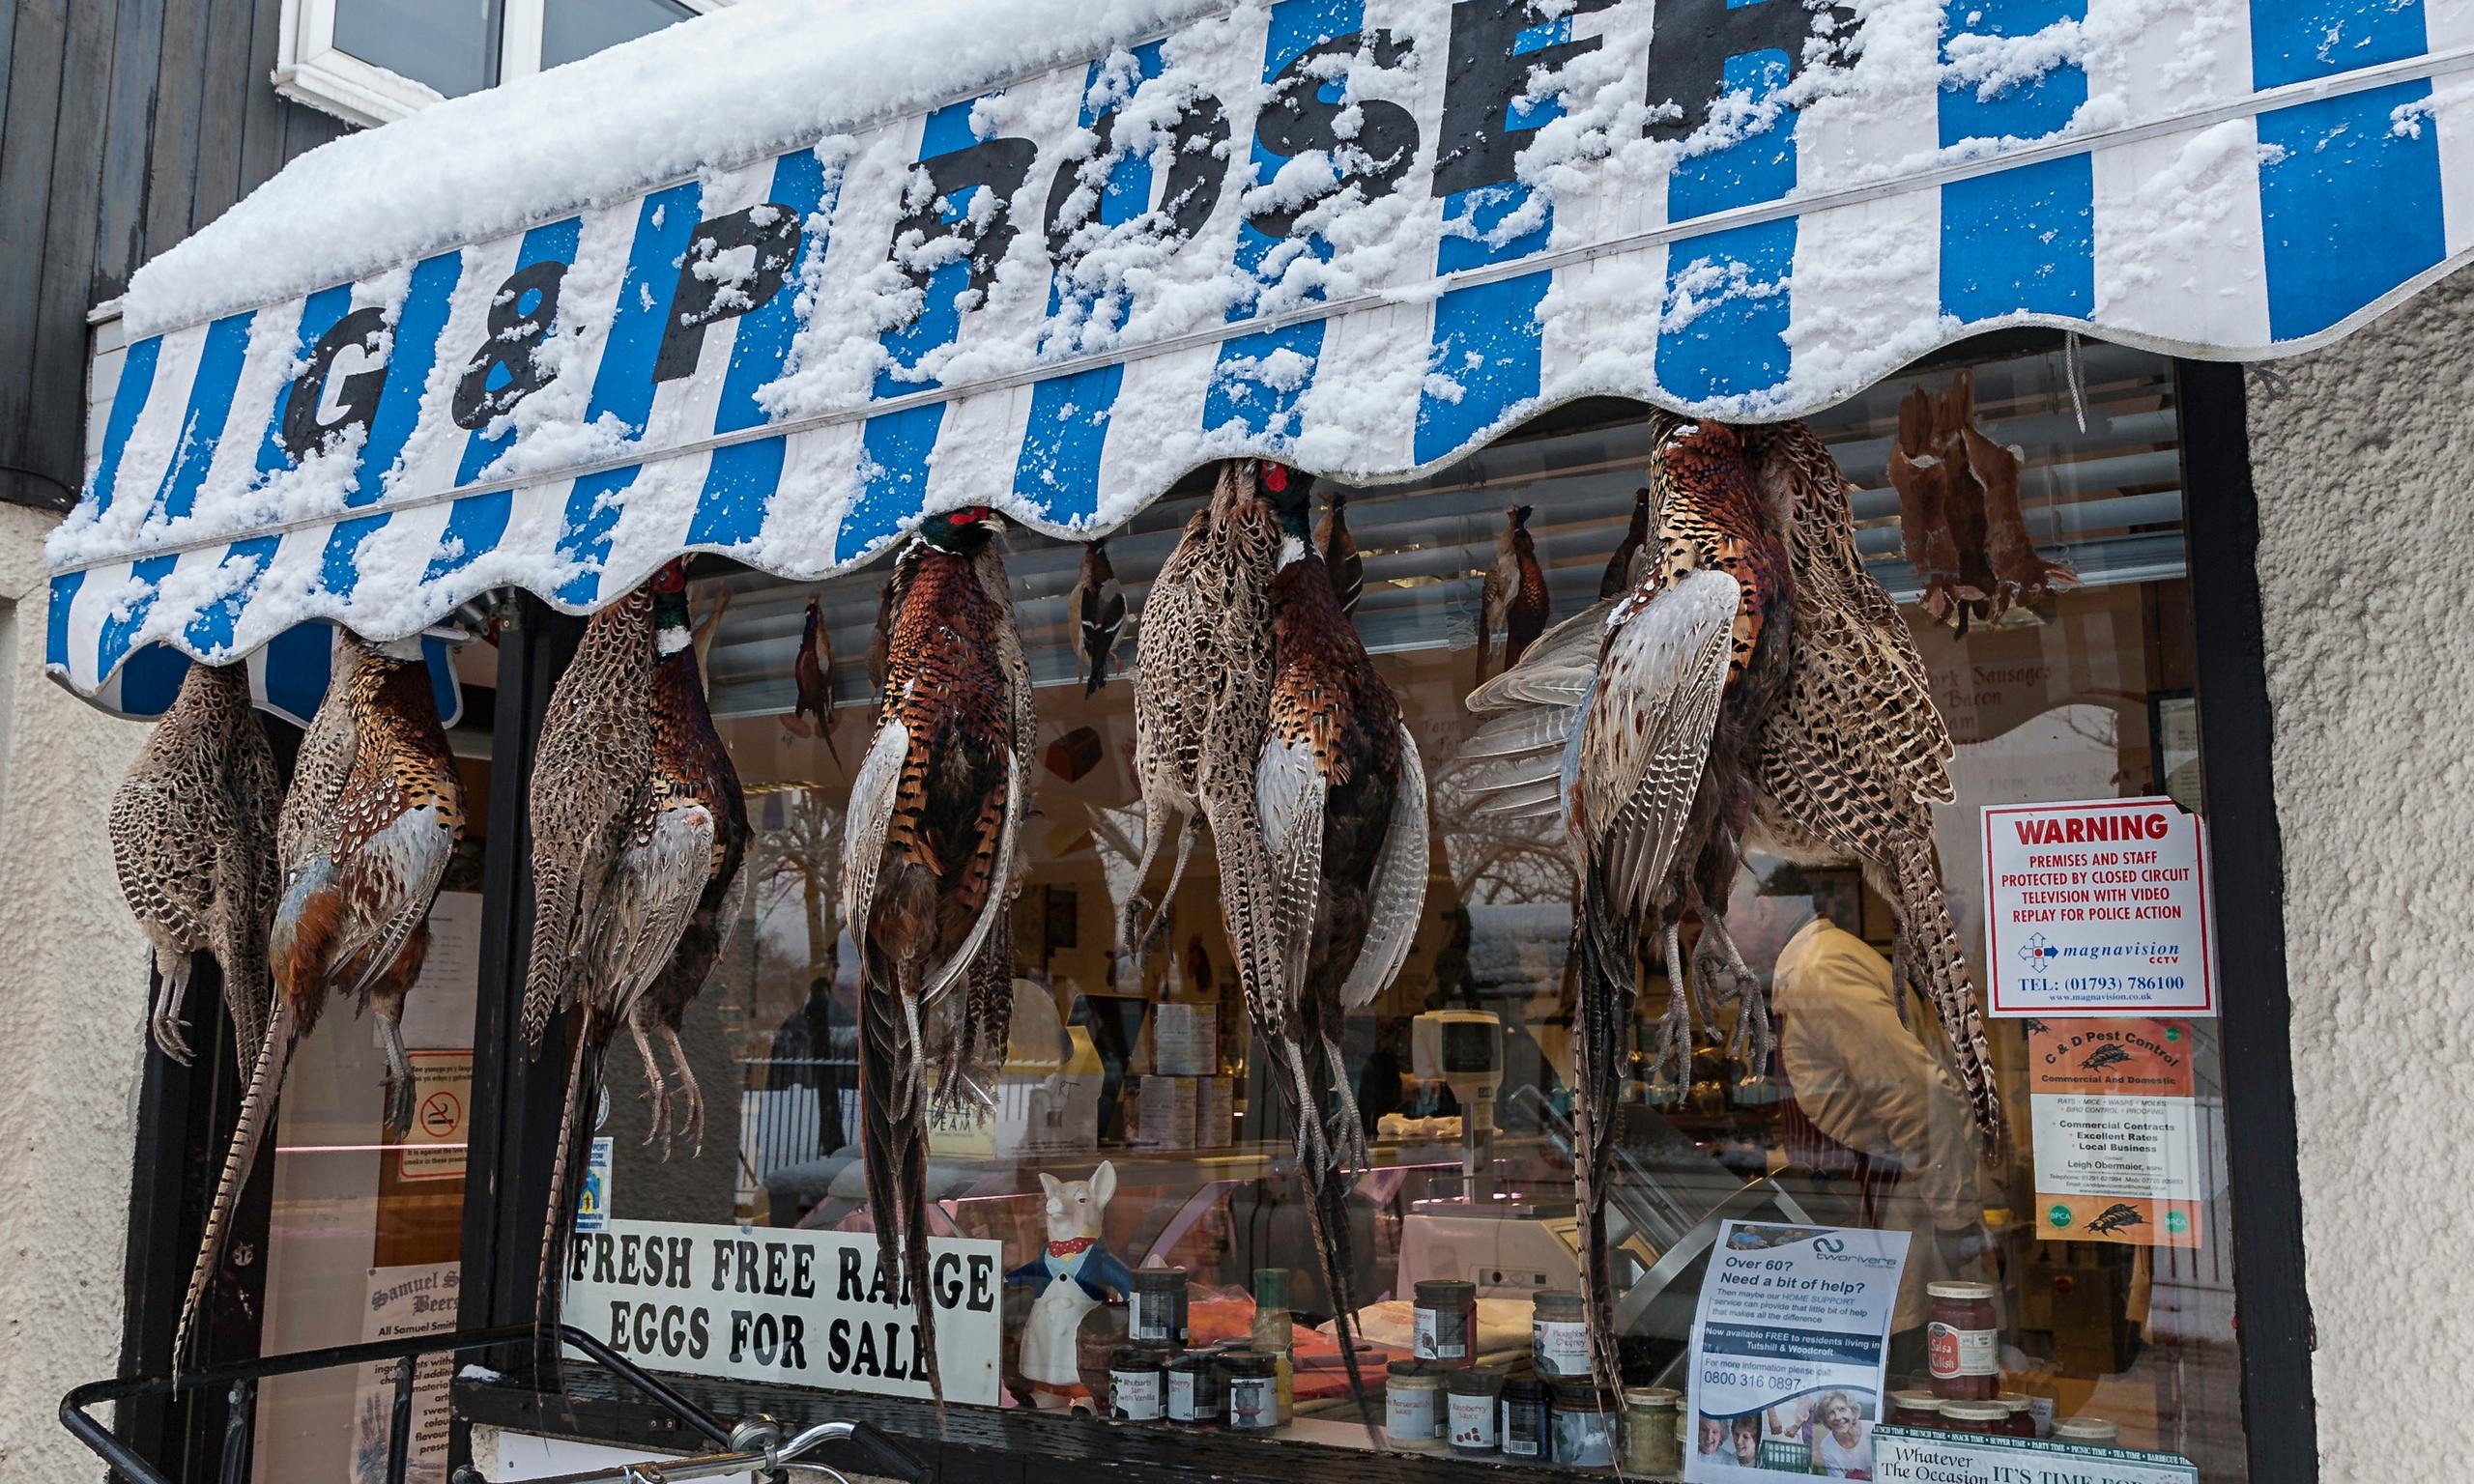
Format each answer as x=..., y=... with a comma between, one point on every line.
x=1073, y=1274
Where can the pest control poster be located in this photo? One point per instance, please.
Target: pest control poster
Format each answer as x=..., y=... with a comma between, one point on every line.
x=1905, y=1457
x=805, y=1308
x=2117, y=1132
x=2098, y=909
x=1787, y=1347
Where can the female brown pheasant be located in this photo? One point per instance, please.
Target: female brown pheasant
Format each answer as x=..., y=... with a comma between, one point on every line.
x=930, y=868
x=363, y=841
x=1514, y=597
x=193, y=832
x=691, y=763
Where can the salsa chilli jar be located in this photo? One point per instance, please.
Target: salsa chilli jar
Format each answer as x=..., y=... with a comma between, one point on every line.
x=1194, y=1389
x=1156, y=1309
x=1583, y=1432
x=1413, y=1401
x=2023, y=1414
x=1963, y=1342
x=1651, y=1446
x=1137, y=1383
x=1914, y=1406
x=1527, y=1430
x=1991, y=1417
x=1472, y=1402
x=1253, y=1390
x=1446, y=1316
x=1559, y=1334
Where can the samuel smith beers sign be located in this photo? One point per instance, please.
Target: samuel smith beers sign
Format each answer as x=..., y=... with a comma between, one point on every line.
x=805, y=1308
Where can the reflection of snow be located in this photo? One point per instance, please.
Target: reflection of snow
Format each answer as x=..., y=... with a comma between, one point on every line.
x=1517, y=948
x=2071, y=751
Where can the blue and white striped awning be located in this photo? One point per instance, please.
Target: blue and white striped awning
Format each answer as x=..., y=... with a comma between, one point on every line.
x=1363, y=235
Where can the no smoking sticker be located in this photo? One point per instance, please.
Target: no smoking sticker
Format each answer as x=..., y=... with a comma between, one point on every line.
x=434, y=1147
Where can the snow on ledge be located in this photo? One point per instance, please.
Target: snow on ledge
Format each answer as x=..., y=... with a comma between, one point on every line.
x=756, y=79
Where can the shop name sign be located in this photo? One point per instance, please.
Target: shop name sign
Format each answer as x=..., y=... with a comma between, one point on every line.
x=805, y=1308
x=1363, y=235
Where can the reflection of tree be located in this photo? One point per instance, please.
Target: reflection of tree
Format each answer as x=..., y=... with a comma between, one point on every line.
x=802, y=854
x=1495, y=859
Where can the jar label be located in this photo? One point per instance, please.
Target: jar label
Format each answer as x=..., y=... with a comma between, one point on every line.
x=1473, y=1422
x=1521, y=1434
x=1152, y=1318
x=1408, y=1414
x=1560, y=1347
x=1134, y=1396
x=1181, y=1396
x=1954, y=1352
x=1441, y=1334
x=1253, y=1402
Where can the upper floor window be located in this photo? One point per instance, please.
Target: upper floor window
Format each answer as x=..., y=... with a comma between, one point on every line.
x=370, y=61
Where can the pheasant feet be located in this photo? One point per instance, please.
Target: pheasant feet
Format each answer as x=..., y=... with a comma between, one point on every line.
x=169, y=1031
x=401, y=1086
x=1719, y=972
x=1671, y=1069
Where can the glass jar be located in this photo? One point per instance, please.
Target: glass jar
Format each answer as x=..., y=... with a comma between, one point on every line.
x=1446, y=1315
x=1527, y=1428
x=1559, y=1334
x=1582, y=1426
x=1274, y=1334
x=1914, y=1406
x=1989, y=1418
x=1413, y=1401
x=1651, y=1447
x=1156, y=1309
x=1473, y=1398
x=1253, y=1390
x=1196, y=1390
x=1963, y=1341
x=2088, y=1432
x=1137, y=1383
x=2023, y=1413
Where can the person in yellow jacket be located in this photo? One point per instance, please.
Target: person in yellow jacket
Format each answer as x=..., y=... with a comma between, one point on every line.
x=1864, y=1104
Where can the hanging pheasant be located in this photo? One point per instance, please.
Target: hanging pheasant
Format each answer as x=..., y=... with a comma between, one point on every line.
x=1619, y=578
x=1341, y=793
x=811, y=671
x=930, y=867
x=690, y=762
x=1339, y=550
x=1656, y=791
x=193, y=832
x=1856, y=754
x=1097, y=610
x=1959, y=511
x=363, y=840
x=1514, y=598
x=622, y=851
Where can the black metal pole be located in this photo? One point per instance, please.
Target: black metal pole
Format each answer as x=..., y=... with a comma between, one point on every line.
x=399, y=1423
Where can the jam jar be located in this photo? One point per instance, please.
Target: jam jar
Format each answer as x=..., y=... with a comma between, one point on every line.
x=1963, y=1342
x=1445, y=1317
x=1472, y=1401
x=2088, y=1432
x=1194, y=1389
x=1137, y=1383
x=1528, y=1427
x=1413, y=1401
x=1914, y=1406
x=1991, y=1417
x=1155, y=1310
x=2023, y=1414
x=1651, y=1447
x=1559, y=1334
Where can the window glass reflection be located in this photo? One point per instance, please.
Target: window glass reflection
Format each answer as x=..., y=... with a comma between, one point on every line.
x=578, y=28
x=451, y=44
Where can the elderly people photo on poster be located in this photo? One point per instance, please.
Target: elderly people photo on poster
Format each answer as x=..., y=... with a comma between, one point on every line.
x=808, y=1308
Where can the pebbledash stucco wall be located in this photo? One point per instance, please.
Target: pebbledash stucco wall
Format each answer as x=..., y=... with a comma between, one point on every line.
x=72, y=990
x=2365, y=471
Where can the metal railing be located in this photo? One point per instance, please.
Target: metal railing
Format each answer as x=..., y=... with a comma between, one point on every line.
x=756, y=1443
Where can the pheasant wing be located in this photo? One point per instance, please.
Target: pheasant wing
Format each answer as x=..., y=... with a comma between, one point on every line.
x=870, y=813
x=390, y=880
x=1000, y=901
x=1290, y=794
x=654, y=886
x=1645, y=738
x=1399, y=893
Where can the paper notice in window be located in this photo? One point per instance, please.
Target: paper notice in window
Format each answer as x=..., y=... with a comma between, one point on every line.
x=2098, y=909
x=2117, y=1131
x=433, y=1148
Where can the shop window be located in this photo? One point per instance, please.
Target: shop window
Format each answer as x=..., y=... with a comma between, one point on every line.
x=370, y=61
x=2087, y=694
x=365, y=1235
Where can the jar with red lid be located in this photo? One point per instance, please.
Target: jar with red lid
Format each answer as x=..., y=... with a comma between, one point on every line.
x=2023, y=1414
x=1990, y=1418
x=1963, y=1342
x=1914, y=1406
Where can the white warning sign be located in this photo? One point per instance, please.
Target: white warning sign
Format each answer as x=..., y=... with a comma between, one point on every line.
x=2098, y=909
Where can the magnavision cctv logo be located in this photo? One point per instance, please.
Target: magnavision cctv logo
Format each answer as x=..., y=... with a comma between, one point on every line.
x=2039, y=952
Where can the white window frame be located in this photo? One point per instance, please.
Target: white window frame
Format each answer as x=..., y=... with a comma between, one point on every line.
x=310, y=68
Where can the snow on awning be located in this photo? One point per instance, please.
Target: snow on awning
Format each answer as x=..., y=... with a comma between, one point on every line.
x=774, y=283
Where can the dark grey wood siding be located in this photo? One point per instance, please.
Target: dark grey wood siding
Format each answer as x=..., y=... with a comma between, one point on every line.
x=125, y=126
